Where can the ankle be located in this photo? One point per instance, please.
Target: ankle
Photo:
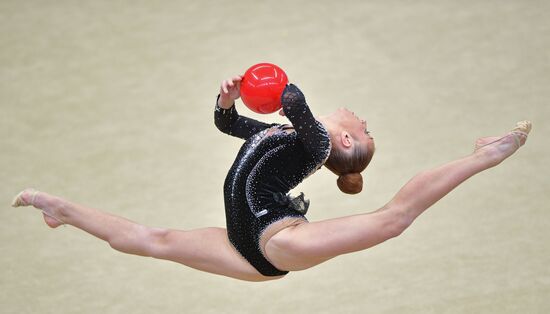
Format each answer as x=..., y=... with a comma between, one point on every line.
x=486, y=158
x=52, y=205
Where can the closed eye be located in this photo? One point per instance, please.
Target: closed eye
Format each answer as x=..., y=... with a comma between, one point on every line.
x=368, y=133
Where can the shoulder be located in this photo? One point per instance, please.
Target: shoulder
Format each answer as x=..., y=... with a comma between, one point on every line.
x=325, y=144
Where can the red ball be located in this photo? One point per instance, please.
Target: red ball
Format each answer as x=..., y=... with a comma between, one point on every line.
x=262, y=87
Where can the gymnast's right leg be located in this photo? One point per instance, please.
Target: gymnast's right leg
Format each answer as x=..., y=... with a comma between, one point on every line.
x=206, y=249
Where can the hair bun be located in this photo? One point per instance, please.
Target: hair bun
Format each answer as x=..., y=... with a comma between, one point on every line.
x=351, y=183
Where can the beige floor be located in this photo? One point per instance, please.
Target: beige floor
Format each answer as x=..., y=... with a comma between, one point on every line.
x=109, y=103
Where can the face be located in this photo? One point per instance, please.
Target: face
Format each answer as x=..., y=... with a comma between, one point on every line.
x=356, y=127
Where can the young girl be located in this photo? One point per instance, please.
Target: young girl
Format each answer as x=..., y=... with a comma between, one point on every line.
x=267, y=234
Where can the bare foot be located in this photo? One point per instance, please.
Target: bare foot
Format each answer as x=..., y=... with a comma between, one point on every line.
x=42, y=201
x=497, y=149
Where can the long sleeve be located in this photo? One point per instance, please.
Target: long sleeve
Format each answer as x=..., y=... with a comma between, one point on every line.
x=311, y=132
x=230, y=122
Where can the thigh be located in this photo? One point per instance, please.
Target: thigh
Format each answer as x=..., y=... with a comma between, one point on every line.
x=306, y=245
x=209, y=250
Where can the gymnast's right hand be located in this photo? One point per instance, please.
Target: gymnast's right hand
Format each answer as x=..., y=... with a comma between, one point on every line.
x=230, y=90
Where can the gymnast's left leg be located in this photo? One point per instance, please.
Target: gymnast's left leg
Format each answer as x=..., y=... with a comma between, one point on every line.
x=309, y=244
x=206, y=249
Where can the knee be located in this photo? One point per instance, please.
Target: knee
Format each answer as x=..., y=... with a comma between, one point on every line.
x=157, y=241
x=141, y=240
x=399, y=221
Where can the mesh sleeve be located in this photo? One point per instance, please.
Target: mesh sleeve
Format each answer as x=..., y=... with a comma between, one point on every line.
x=230, y=122
x=311, y=132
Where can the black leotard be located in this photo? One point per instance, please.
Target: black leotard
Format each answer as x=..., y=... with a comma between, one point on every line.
x=270, y=163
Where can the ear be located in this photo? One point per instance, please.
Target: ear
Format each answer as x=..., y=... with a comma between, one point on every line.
x=346, y=139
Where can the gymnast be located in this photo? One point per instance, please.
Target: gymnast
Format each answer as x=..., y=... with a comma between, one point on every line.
x=267, y=234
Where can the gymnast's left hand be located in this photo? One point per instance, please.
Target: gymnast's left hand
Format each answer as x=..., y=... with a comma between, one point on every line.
x=230, y=90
